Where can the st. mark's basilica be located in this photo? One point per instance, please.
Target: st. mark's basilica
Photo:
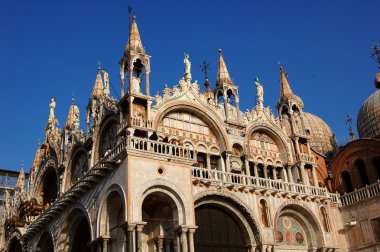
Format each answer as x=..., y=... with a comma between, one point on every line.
x=187, y=170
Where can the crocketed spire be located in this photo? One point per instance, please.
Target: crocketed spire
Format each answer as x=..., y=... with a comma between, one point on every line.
x=285, y=87
x=72, y=121
x=97, y=91
x=134, y=40
x=223, y=76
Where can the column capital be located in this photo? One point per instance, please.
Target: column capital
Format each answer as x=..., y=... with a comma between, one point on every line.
x=140, y=226
x=192, y=229
x=128, y=226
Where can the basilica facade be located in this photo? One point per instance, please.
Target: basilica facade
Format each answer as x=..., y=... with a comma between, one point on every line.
x=186, y=170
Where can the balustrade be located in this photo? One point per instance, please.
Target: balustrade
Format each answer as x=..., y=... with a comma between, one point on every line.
x=160, y=148
x=361, y=194
x=260, y=183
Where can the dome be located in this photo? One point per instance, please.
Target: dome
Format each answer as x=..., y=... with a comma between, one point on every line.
x=369, y=116
x=322, y=138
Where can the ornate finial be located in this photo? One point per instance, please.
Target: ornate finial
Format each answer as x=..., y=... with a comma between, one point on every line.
x=348, y=120
x=72, y=99
x=220, y=50
x=205, y=67
x=99, y=67
x=22, y=164
x=375, y=52
x=134, y=17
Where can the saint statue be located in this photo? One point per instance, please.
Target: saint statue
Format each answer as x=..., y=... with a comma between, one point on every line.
x=259, y=93
x=187, y=74
x=52, y=107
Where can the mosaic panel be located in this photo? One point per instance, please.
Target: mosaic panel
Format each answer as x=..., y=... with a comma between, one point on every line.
x=290, y=232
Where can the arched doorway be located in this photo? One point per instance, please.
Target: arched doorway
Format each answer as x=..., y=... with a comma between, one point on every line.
x=160, y=213
x=45, y=244
x=76, y=233
x=112, y=220
x=217, y=231
x=224, y=225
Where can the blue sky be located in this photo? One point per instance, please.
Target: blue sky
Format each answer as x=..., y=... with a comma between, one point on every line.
x=51, y=48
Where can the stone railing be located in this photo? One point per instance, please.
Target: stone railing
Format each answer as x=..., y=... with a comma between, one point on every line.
x=167, y=150
x=361, y=194
x=141, y=123
x=239, y=181
x=123, y=124
x=89, y=179
x=305, y=158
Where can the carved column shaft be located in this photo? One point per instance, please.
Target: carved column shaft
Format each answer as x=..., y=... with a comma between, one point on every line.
x=228, y=163
x=247, y=170
x=255, y=170
x=290, y=175
x=147, y=84
x=315, y=179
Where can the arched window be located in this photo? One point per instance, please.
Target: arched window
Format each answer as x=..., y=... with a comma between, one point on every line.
x=361, y=172
x=325, y=219
x=264, y=213
x=108, y=139
x=201, y=160
x=49, y=190
x=346, y=181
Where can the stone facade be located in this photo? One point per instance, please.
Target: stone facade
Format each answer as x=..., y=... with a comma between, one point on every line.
x=185, y=171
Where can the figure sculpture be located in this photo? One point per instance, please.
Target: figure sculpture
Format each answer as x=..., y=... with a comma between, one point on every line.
x=187, y=74
x=259, y=93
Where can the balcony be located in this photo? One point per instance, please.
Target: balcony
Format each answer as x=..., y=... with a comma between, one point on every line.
x=154, y=149
x=365, y=193
x=239, y=181
x=136, y=122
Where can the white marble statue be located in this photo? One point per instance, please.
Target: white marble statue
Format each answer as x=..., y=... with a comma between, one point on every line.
x=259, y=93
x=187, y=74
x=52, y=107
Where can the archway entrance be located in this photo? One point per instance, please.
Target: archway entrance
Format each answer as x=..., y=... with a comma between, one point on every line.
x=76, y=233
x=161, y=215
x=112, y=220
x=45, y=244
x=217, y=231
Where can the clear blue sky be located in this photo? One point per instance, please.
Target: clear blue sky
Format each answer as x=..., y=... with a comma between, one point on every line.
x=51, y=48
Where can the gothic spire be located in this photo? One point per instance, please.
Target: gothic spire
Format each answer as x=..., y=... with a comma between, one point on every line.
x=97, y=91
x=222, y=76
x=134, y=40
x=72, y=121
x=20, y=185
x=285, y=87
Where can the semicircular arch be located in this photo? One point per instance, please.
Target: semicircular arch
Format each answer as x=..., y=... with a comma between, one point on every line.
x=198, y=111
x=306, y=217
x=240, y=211
x=275, y=133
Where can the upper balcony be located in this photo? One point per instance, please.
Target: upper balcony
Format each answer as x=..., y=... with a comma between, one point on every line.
x=136, y=122
x=362, y=194
x=241, y=182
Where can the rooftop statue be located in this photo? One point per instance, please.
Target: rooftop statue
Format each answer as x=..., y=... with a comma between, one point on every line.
x=259, y=93
x=187, y=74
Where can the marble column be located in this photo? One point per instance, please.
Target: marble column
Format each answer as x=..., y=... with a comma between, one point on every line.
x=237, y=110
x=191, y=239
x=147, y=84
x=208, y=161
x=183, y=231
x=228, y=163
x=129, y=235
x=289, y=172
x=139, y=228
x=105, y=243
x=148, y=111
x=247, y=170
x=265, y=168
x=256, y=173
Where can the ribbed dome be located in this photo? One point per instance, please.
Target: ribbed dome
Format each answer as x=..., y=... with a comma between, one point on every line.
x=369, y=116
x=322, y=138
